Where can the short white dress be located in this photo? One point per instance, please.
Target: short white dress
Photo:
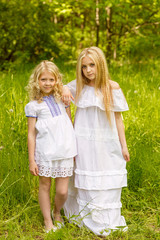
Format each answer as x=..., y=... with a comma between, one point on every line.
x=55, y=137
x=100, y=169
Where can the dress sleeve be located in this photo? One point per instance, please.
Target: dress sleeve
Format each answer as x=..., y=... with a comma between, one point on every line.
x=30, y=110
x=119, y=101
x=72, y=87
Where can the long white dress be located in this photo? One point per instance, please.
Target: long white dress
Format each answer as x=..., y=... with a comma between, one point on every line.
x=100, y=169
x=55, y=138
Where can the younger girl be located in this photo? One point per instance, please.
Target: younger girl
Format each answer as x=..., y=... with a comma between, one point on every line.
x=100, y=166
x=51, y=139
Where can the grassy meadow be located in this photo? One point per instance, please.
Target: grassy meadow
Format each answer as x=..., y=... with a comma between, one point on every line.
x=20, y=215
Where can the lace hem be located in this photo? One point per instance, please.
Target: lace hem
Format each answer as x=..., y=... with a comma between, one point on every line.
x=55, y=172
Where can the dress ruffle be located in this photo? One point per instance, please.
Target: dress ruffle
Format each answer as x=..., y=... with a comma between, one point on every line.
x=119, y=101
x=100, y=211
x=54, y=169
x=100, y=180
x=55, y=172
x=89, y=98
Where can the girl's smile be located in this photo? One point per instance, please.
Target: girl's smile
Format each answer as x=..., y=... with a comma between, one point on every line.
x=46, y=82
x=89, y=69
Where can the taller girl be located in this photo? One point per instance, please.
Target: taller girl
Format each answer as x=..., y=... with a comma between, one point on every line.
x=100, y=171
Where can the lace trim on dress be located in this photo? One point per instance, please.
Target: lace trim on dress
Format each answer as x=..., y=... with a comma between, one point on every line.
x=55, y=172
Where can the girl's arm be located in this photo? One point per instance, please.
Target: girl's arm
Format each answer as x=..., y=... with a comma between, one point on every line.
x=121, y=134
x=31, y=145
x=68, y=110
x=67, y=95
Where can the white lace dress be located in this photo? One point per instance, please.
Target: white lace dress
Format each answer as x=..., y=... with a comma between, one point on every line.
x=100, y=169
x=55, y=138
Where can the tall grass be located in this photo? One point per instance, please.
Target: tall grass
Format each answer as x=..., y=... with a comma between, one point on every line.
x=19, y=210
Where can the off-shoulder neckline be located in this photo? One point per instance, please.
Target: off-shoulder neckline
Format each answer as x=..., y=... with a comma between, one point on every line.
x=114, y=89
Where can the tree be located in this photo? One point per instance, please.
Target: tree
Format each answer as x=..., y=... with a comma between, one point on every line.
x=34, y=30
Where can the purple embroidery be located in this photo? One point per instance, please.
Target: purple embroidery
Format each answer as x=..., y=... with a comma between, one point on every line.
x=53, y=106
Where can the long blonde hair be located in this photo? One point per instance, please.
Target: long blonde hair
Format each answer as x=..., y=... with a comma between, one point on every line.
x=33, y=85
x=102, y=77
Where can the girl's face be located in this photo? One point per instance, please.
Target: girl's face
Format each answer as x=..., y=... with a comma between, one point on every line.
x=89, y=69
x=46, y=83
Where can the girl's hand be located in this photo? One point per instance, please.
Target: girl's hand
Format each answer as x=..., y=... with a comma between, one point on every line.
x=126, y=154
x=33, y=168
x=67, y=95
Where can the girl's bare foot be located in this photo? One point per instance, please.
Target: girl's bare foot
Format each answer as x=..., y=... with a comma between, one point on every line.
x=49, y=225
x=58, y=220
x=57, y=217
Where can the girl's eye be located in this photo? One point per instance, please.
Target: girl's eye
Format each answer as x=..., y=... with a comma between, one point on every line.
x=92, y=64
x=43, y=79
x=52, y=80
x=84, y=67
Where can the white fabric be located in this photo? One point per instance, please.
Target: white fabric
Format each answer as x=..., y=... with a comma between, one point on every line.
x=100, y=169
x=88, y=98
x=56, y=168
x=55, y=140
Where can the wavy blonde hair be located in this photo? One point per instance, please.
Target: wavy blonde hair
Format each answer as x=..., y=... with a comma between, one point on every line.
x=33, y=85
x=102, y=77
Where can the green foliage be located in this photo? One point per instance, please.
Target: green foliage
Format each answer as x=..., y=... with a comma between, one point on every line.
x=28, y=31
x=19, y=208
x=35, y=30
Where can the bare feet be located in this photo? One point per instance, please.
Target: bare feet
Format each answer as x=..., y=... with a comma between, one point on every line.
x=54, y=228
x=57, y=217
x=58, y=221
x=49, y=226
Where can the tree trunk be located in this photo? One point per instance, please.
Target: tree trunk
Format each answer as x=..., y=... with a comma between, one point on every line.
x=82, y=31
x=97, y=23
x=109, y=32
x=55, y=19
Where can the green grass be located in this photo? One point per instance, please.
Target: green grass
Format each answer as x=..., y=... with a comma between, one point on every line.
x=19, y=210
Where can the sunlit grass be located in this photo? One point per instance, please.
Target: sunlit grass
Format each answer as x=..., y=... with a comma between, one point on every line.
x=19, y=209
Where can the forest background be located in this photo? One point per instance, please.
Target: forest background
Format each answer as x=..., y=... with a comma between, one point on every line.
x=128, y=31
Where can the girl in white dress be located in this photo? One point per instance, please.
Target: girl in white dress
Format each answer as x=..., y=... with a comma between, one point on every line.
x=100, y=166
x=51, y=139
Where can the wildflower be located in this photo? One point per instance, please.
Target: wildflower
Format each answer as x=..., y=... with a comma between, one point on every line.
x=10, y=110
x=135, y=91
x=1, y=147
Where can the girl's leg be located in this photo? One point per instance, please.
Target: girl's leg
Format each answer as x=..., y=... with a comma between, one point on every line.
x=44, y=200
x=61, y=196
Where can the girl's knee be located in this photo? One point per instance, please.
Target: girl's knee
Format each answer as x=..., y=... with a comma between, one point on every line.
x=63, y=193
x=45, y=183
x=62, y=187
